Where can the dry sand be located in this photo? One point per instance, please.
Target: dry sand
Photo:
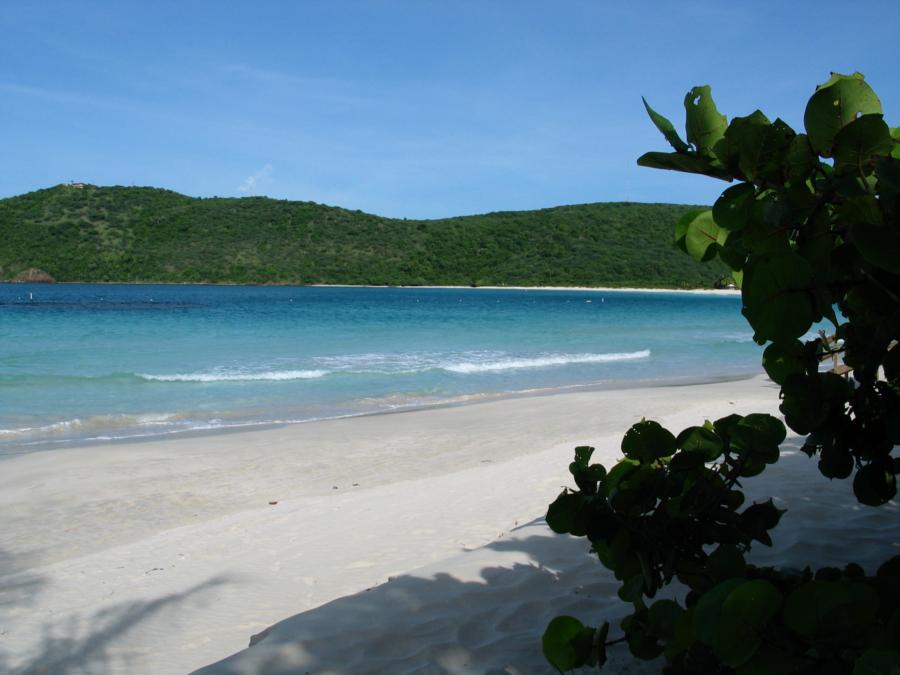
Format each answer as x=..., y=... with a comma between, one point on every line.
x=408, y=542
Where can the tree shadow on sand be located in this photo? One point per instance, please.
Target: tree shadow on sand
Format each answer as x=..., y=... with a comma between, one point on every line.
x=94, y=644
x=488, y=618
x=18, y=585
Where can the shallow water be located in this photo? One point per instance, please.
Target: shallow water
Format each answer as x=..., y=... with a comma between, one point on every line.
x=83, y=361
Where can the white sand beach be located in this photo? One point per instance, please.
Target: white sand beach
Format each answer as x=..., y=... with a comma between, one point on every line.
x=607, y=289
x=408, y=542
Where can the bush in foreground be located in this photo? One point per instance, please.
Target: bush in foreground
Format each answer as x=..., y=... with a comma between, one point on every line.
x=811, y=233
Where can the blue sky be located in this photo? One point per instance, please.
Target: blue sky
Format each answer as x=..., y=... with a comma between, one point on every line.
x=408, y=108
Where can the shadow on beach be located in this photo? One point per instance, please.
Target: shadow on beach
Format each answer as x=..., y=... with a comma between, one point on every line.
x=489, y=616
x=489, y=621
x=93, y=644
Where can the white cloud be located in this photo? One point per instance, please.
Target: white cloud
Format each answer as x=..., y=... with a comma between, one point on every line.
x=257, y=180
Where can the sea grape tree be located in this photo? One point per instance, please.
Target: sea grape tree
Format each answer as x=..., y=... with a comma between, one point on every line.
x=811, y=232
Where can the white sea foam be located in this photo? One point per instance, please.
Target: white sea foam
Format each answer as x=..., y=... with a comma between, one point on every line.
x=543, y=361
x=465, y=363
x=81, y=425
x=230, y=376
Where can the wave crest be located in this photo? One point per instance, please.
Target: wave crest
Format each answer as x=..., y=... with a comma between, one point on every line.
x=544, y=361
x=236, y=377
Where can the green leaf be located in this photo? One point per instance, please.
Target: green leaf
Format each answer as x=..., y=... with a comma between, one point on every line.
x=724, y=426
x=835, y=104
x=803, y=404
x=858, y=144
x=681, y=227
x=563, y=512
x=756, y=439
x=701, y=440
x=708, y=610
x=745, y=611
x=887, y=171
x=663, y=618
x=632, y=589
x=702, y=233
x=567, y=643
x=777, y=297
x=878, y=244
x=733, y=210
x=878, y=662
x=647, y=441
x=757, y=148
x=726, y=562
x=758, y=432
x=617, y=474
x=684, y=635
x=758, y=519
x=800, y=159
x=807, y=609
x=675, y=161
x=666, y=127
x=583, y=455
x=784, y=358
x=874, y=485
x=705, y=125
x=835, y=461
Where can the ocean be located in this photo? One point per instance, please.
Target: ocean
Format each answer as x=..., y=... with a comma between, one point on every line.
x=85, y=362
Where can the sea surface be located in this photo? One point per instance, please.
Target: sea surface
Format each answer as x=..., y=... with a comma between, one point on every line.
x=82, y=362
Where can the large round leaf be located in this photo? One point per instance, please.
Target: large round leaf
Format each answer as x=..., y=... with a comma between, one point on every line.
x=663, y=618
x=729, y=617
x=800, y=159
x=562, y=514
x=834, y=105
x=811, y=609
x=777, y=297
x=874, y=485
x=858, y=144
x=734, y=209
x=567, y=643
x=702, y=441
x=879, y=245
x=681, y=227
x=785, y=358
x=757, y=437
x=708, y=611
x=702, y=233
x=647, y=441
x=744, y=613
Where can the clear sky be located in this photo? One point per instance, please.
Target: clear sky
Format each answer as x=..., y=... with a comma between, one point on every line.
x=410, y=108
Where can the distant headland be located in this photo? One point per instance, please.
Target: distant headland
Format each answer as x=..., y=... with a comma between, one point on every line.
x=79, y=232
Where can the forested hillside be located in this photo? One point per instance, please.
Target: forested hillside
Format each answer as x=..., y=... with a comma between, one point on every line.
x=132, y=234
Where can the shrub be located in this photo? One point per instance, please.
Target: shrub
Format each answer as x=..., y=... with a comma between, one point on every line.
x=811, y=233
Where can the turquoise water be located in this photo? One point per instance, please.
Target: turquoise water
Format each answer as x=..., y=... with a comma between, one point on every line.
x=82, y=362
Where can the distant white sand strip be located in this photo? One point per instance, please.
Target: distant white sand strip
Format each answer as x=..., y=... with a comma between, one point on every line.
x=163, y=556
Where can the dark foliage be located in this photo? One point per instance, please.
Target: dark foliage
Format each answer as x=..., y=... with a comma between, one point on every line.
x=811, y=232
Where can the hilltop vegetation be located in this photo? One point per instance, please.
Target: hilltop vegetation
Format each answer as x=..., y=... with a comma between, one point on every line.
x=132, y=234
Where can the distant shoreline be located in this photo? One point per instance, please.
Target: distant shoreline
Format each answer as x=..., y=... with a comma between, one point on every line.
x=627, y=289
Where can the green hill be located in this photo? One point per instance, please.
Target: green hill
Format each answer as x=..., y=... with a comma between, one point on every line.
x=131, y=234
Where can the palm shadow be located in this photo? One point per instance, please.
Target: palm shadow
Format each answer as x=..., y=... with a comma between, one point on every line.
x=92, y=644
